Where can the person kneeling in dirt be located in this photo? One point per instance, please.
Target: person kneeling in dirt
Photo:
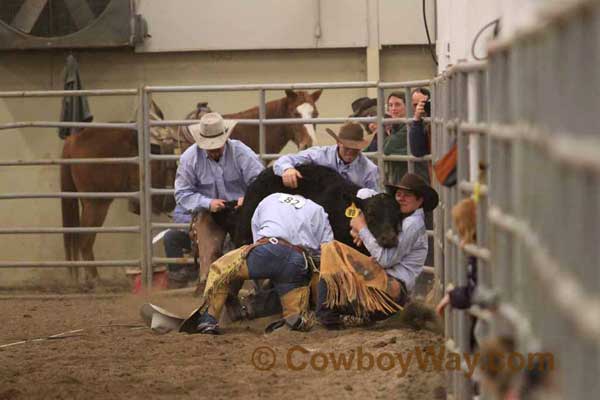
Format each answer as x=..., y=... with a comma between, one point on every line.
x=288, y=231
x=374, y=288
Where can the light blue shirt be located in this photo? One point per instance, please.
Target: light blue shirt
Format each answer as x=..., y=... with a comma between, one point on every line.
x=293, y=218
x=362, y=171
x=404, y=261
x=200, y=179
x=180, y=216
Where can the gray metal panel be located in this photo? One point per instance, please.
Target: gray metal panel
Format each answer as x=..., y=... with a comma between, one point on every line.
x=113, y=28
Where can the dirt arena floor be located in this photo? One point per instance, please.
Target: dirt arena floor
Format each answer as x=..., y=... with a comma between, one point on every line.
x=113, y=357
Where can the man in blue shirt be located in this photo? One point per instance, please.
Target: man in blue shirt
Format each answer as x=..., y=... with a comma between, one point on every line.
x=216, y=171
x=288, y=231
x=346, y=158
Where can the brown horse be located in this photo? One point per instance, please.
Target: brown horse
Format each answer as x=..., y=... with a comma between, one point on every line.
x=104, y=143
x=299, y=104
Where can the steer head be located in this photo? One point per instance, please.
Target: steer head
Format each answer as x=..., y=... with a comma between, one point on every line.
x=383, y=217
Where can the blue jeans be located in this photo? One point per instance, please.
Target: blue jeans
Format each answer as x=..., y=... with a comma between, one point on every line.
x=284, y=266
x=175, y=242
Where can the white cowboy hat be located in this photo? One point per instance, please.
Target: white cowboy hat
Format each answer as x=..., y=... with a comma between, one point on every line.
x=212, y=132
x=160, y=320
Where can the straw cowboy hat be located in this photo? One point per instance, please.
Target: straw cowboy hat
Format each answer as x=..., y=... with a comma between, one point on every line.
x=415, y=184
x=212, y=132
x=351, y=135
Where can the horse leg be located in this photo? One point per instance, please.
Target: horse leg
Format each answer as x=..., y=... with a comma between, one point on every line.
x=210, y=237
x=93, y=214
x=70, y=217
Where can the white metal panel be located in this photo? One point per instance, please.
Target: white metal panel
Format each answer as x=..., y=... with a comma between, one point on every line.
x=459, y=21
x=401, y=22
x=187, y=25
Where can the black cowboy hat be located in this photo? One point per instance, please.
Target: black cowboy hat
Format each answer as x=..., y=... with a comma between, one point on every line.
x=415, y=184
x=361, y=104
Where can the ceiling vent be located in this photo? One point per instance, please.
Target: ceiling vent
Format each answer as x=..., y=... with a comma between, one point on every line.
x=69, y=24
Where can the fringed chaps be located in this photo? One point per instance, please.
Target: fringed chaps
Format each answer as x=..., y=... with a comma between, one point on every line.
x=354, y=279
x=227, y=269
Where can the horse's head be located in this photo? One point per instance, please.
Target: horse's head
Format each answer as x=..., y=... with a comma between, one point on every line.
x=301, y=104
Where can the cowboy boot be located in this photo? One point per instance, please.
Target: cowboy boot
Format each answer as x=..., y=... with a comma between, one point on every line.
x=295, y=309
x=217, y=300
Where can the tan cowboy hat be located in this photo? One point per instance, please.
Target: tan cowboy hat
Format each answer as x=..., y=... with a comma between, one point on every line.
x=212, y=132
x=415, y=184
x=351, y=135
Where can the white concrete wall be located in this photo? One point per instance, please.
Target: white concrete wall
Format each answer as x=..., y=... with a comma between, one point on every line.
x=186, y=25
x=458, y=22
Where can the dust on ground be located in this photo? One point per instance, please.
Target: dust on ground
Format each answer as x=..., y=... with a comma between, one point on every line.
x=112, y=358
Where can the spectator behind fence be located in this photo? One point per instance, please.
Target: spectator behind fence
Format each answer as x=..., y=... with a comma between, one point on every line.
x=420, y=131
x=464, y=217
x=367, y=107
x=396, y=142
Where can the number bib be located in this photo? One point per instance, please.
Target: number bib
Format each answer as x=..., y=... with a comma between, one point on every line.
x=295, y=201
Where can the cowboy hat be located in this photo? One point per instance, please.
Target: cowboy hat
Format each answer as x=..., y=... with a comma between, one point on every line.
x=361, y=104
x=415, y=184
x=160, y=320
x=212, y=132
x=352, y=136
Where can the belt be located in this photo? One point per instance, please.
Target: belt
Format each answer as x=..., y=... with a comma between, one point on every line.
x=274, y=240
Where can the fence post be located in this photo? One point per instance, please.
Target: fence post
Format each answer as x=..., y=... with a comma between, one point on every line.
x=145, y=189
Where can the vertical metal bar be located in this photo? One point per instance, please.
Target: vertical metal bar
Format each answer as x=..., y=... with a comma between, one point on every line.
x=380, y=136
x=145, y=189
x=409, y=114
x=438, y=255
x=473, y=116
x=262, y=112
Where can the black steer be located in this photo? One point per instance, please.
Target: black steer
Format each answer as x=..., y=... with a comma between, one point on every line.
x=329, y=189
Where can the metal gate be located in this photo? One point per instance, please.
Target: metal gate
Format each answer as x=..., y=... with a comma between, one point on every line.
x=530, y=114
x=146, y=227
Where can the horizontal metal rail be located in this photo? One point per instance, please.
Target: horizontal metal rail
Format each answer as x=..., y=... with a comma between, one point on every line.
x=406, y=84
x=107, y=229
x=67, y=161
x=60, y=264
x=167, y=260
x=168, y=225
x=473, y=128
x=72, y=195
x=469, y=187
x=51, y=124
x=290, y=121
x=470, y=249
x=161, y=191
x=268, y=86
x=65, y=93
x=398, y=157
